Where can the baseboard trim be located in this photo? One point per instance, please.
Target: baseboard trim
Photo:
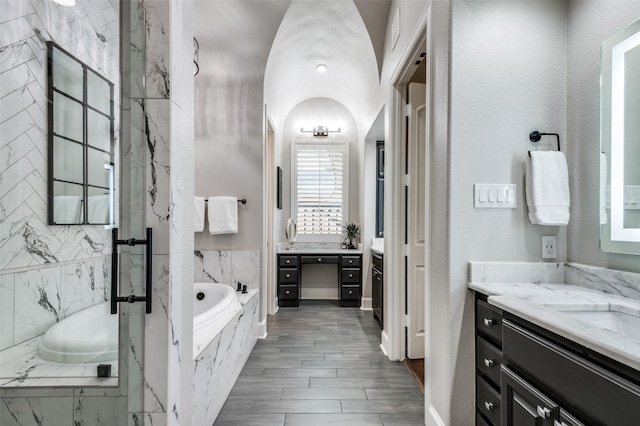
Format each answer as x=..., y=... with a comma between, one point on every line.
x=262, y=329
x=366, y=304
x=432, y=417
x=384, y=343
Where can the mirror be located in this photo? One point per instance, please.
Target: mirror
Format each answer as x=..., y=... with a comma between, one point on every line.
x=620, y=142
x=81, y=139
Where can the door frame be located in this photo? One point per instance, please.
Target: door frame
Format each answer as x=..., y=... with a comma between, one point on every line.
x=267, y=288
x=393, y=337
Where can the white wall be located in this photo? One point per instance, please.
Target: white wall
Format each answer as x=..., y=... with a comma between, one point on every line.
x=590, y=22
x=507, y=78
x=309, y=114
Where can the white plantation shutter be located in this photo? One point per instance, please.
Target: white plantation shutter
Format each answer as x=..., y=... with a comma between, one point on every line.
x=320, y=189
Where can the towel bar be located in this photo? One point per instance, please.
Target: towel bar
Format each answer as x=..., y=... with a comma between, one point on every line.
x=535, y=136
x=240, y=200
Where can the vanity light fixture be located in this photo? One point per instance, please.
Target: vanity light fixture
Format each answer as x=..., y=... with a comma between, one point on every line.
x=321, y=67
x=320, y=131
x=67, y=3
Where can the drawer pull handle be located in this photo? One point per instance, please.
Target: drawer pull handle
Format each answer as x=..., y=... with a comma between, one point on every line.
x=288, y=275
x=488, y=322
x=351, y=261
x=488, y=362
x=378, y=278
x=319, y=260
x=543, y=412
x=288, y=261
x=350, y=291
x=286, y=292
x=350, y=275
x=489, y=405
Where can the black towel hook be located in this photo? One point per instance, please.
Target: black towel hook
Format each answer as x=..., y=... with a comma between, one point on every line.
x=535, y=136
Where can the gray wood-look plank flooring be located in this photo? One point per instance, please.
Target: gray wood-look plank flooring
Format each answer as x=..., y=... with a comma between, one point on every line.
x=322, y=365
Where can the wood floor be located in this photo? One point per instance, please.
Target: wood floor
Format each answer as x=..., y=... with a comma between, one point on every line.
x=321, y=365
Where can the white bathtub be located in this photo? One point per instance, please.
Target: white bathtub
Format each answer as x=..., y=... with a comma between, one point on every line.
x=90, y=335
x=214, y=305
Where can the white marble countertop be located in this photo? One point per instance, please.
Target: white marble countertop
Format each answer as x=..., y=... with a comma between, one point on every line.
x=377, y=249
x=319, y=251
x=531, y=302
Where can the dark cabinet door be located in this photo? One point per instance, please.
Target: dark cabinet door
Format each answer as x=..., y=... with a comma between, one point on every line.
x=524, y=405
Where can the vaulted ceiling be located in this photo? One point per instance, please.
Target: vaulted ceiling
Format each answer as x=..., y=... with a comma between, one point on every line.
x=284, y=40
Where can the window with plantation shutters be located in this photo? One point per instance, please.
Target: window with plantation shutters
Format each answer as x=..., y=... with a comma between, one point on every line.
x=320, y=189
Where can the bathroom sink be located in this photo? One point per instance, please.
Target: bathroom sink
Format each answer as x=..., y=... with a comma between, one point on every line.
x=612, y=319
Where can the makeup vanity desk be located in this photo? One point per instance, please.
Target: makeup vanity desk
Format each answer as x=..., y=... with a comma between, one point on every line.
x=349, y=278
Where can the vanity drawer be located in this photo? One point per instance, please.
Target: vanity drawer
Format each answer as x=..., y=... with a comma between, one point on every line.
x=288, y=292
x=288, y=261
x=350, y=292
x=488, y=360
x=286, y=275
x=319, y=259
x=376, y=259
x=351, y=261
x=489, y=321
x=488, y=401
x=603, y=396
x=350, y=276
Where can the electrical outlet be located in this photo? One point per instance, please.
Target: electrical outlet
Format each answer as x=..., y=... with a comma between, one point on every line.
x=548, y=246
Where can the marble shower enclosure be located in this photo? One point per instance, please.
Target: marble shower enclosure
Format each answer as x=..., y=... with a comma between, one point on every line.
x=47, y=272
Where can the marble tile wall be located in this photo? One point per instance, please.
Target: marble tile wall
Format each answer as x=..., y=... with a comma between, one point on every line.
x=610, y=281
x=218, y=366
x=49, y=271
x=228, y=267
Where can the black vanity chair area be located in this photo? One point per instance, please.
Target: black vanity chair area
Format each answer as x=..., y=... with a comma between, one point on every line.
x=349, y=279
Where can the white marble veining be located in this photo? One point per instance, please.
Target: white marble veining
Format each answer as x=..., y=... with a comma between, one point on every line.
x=539, y=302
x=21, y=366
x=609, y=281
x=218, y=364
x=228, y=267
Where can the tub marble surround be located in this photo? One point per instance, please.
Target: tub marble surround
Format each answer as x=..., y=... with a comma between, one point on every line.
x=217, y=364
x=228, y=267
x=527, y=289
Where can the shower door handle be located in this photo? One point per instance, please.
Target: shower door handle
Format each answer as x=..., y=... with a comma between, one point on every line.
x=115, y=299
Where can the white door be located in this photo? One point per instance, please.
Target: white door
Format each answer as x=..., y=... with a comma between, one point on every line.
x=416, y=193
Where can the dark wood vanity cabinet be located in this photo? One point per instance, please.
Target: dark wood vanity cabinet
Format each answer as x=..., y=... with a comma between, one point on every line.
x=526, y=375
x=349, y=277
x=377, y=288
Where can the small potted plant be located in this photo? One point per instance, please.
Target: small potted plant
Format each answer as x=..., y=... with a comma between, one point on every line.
x=351, y=233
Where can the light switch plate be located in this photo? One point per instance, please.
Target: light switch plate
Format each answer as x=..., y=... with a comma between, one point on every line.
x=494, y=195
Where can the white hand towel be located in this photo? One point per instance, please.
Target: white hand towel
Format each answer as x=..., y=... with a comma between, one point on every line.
x=223, y=215
x=198, y=214
x=98, y=209
x=603, y=188
x=547, y=188
x=67, y=209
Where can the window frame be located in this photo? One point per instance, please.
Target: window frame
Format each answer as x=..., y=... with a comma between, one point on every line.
x=296, y=144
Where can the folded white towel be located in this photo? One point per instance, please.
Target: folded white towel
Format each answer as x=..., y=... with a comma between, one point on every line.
x=603, y=188
x=547, y=188
x=223, y=215
x=67, y=209
x=198, y=214
x=98, y=208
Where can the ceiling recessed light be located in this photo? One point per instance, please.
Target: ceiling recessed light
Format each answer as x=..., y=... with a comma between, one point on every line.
x=321, y=67
x=65, y=2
